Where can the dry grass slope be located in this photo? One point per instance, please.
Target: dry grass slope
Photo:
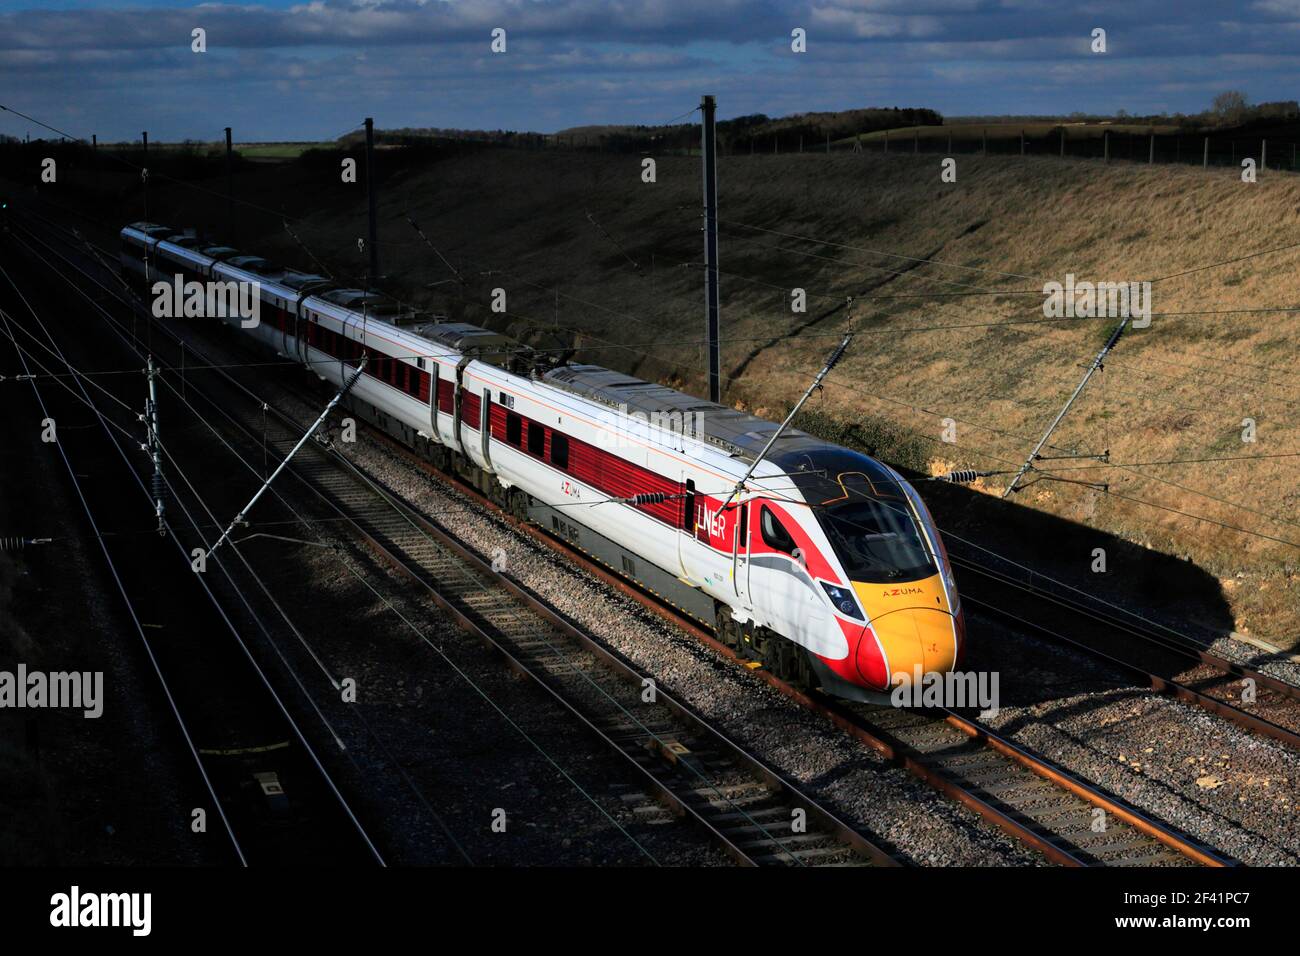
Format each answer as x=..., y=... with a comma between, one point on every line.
x=1178, y=390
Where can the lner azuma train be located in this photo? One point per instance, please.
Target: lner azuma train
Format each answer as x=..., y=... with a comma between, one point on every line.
x=827, y=567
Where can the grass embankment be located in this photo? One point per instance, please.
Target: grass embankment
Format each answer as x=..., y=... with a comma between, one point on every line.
x=943, y=273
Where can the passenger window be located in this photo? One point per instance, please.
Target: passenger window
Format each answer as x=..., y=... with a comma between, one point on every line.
x=774, y=533
x=536, y=439
x=514, y=429
x=559, y=450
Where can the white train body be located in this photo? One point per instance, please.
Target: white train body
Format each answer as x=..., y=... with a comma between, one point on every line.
x=576, y=440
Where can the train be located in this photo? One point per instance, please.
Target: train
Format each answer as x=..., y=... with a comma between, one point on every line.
x=825, y=567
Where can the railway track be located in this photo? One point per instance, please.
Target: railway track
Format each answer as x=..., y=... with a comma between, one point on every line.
x=267, y=789
x=755, y=815
x=750, y=810
x=1029, y=797
x=1152, y=654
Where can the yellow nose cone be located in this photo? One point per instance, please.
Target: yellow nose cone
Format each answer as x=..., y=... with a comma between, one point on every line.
x=917, y=636
x=913, y=624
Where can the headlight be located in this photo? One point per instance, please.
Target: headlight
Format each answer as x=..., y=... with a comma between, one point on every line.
x=842, y=600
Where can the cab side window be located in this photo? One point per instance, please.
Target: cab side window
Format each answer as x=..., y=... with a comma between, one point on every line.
x=774, y=534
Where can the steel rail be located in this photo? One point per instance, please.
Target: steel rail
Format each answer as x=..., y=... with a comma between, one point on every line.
x=880, y=740
x=855, y=842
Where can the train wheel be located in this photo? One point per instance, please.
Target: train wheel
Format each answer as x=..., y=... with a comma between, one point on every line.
x=784, y=658
x=724, y=628
x=729, y=631
x=516, y=502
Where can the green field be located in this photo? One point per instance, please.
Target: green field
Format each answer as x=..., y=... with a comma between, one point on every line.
x=254, y=151
x=275, y=151
x=971, y=131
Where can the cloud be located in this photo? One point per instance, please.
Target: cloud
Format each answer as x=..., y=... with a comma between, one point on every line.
x=283, y=69
x=392, y=23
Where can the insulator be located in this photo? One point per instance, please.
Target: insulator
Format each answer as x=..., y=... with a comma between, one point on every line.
x=965, y=476
x=838, y=353
x=347, y=386
x=1115, y=336
x=17, y=544
x=649, y=498
x=158, y=487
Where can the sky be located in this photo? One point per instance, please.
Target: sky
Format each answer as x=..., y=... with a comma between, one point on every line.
x=280, y=70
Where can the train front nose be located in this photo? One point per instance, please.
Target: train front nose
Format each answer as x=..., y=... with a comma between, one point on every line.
x=910, y=639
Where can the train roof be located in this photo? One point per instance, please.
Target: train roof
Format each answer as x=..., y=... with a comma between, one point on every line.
x=818, y=466
x=299, y=281
x=471, y=339
x=366, y=306
x=740, y=434
x=354, y=299
x=256, y=264
x=184, y=241
x=151, y=229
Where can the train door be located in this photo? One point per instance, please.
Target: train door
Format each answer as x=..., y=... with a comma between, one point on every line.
x=740, y=553
x=686, y=543
x=485, y=430
x=300, y=329
x=285, y=318
x=433, y=400
x=458, y=384
x=707, y=540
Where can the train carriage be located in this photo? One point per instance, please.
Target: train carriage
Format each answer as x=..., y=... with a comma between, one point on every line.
x=826, y=565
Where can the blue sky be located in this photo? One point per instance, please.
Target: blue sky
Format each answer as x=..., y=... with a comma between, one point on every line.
x=277, y=69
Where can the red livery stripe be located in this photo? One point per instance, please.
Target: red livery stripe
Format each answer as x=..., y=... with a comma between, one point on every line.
x=469, y=408
x=446, y=396
x=594, y=466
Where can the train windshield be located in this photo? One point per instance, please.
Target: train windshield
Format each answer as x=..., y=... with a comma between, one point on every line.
x=864, y=510
x=877, y=540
